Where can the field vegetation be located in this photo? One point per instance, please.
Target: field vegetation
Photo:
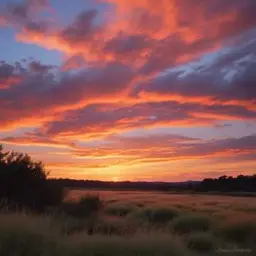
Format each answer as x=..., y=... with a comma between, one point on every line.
x=95, y=225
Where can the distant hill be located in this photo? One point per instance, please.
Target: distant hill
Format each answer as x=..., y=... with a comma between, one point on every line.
x=222, y=184
x=127, y=185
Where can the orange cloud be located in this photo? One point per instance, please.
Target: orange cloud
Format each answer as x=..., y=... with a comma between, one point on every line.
x=9, y=82
x=166, y=147
x=152, y=35
x=101, y=120
x=36, y=141
x=134, y=158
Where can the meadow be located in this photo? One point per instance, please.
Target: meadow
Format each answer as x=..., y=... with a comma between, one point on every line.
x=135, y=223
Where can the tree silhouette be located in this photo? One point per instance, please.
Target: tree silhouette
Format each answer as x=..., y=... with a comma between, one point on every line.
x=224, y=183
x=23, y=182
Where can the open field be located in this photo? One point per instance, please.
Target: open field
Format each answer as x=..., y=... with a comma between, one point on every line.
x=230, y=207
x=136, y=223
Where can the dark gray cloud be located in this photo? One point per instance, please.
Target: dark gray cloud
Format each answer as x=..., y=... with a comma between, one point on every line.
x=169, y=147
x=40, y=92
x=99, y=120
x=26, y=15
x=231, y=145
x=124, y=45
x=82, y=29
x=36, y=66
x=210, y=80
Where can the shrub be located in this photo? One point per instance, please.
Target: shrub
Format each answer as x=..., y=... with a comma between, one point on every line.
x=69, y=225
x=163, y=215
x=141, y=205
x=119, y=210
x=142, y=214
x=190, y=223
x=110, y=227
x=156, y=216
x=241, y=232
x=200, y=242
x=87, y=206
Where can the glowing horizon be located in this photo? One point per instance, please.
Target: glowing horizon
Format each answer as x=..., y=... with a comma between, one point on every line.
x=130, y=90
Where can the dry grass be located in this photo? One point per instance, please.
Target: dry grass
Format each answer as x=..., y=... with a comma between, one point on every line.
x=221, y=207
x=135, y=223
x=27, y=235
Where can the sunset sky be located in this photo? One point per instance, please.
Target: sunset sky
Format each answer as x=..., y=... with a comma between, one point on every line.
x=130, y=89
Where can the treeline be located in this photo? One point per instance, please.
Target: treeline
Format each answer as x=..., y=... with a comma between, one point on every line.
x=240, y=183
x=126, y=185
x=225, y=183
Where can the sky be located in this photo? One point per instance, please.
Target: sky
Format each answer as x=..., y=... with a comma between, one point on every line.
x=153, y=90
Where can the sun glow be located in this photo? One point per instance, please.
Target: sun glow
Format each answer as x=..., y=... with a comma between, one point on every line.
x=116, y=179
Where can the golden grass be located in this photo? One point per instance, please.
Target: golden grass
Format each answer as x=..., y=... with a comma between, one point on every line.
x=225, y=207
x=155, y=224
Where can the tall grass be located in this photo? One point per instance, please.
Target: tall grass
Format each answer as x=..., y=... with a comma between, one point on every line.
x=200, y=242
x=88, y=227
x=86, y=206
x=239, y=232
x=191, y=223
x=37, y=236
x=119, y=209
x=156, y=215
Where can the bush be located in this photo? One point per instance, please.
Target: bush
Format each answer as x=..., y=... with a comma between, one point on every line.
x=87, y=206
x=24, y=184
x=200, y=242
x=110, y=227
x=187, y=224
x=69, y=225
x=142, y=215
x=241, y=232
x=156, y=216
x=163, y=215
x=119, y=210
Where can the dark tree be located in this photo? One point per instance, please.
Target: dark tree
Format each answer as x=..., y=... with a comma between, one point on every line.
x=24, y=184
x=224, y=183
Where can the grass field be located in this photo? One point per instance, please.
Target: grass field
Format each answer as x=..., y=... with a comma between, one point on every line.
x=230, y=207
x=137, y=223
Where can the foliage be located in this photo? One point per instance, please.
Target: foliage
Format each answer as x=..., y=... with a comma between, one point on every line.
x=24, y=184
x=156, y=215
x=119, y=209
x=191, y=223
x=226, y=184
x=111, y=227
x=239, y=232
x=163, y=215
x=70, y=225
x=87, y=206
x=200, y=242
